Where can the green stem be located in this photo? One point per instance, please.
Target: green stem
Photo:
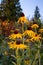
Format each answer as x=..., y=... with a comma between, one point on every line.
x=39, y=58
x=22, y=28
x=18, y=63
x=36, y=30
x=37, y=55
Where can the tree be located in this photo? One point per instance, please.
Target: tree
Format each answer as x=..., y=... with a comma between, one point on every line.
x=11, y=9
x=36, y=13
x=0, y=10
x=36, y=18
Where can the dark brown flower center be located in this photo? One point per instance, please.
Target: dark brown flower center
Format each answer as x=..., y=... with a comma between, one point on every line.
x=29, y=28
x=18, y=41
x=16, y=31
x=22, y=14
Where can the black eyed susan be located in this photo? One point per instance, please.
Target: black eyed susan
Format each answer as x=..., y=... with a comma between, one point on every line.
x=41, y=30
x=36, y=38
x=14, y=36
x=16, y=45
x=30, y=33
x=23, y=20
x=34, y=26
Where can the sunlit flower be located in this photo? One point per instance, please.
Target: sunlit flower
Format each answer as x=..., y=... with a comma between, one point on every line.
x=36, y=38
x=30, y=33
x=34, y=26
x=23, y=20
x=41, y=30
x=15, y=45
x=14, y=36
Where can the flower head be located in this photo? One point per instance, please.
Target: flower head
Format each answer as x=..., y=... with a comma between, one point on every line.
x=23, y=20
x=36, y=38
x=18, y=46
x=30, y=33
x=41, y=30
x=14, y=36
x=34, y=26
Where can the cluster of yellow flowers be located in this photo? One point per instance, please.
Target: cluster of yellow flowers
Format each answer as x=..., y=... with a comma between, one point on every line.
x=24, y=40
x=32, y=36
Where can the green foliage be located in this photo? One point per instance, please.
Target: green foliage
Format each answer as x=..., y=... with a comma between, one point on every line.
x=11, y=9
x=0, y=13
x=36, y=13
x=36, y=19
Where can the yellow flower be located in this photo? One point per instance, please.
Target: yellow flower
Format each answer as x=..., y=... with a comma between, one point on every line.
x=34, y=26
x=15, y=45
x=36, y=38
x=23, y=20
x=41, y=30
x=14, y=36
x=12, y=45
x=30, y=33
x=22, y=46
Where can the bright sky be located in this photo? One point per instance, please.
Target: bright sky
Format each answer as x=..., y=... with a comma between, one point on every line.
x=28, y=7
x=0, y=0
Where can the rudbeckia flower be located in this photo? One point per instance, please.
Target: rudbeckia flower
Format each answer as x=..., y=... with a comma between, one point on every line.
x=41, y=30
x=34, y=26
x=23, y=20
x=30, y=33
x=14, y=36
x=15, y=45
x=36, y=38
